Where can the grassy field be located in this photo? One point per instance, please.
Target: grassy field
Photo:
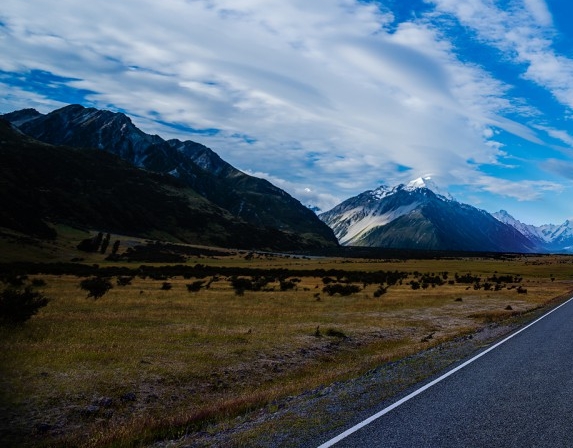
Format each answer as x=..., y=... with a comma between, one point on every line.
x=152, y=360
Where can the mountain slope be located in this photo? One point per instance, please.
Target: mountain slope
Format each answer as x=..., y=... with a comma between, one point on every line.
x=415, y=217
x=42, y=183
x=253, y=200
x=553, y=238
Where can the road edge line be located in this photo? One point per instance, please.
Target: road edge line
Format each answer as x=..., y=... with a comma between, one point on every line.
x=408, y=397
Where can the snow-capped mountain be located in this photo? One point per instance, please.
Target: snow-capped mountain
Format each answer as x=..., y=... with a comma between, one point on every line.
x=417, y=216
x=551, y=237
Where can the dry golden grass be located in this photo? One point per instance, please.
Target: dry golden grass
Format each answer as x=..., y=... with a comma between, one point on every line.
x=143, y=363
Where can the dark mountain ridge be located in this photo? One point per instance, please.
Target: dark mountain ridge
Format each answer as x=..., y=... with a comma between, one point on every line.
x=251, y=200
x=42, y=184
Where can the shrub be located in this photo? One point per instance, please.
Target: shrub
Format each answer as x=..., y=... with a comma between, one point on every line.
x=96, y=286
x=166, y=286
x=240, y=284
x=38, y=283
x=343, y=290
x=195, y=286
x=286, y=285
x=17, y=306
x=124, y=280
x=467, y=278
x=336, y=333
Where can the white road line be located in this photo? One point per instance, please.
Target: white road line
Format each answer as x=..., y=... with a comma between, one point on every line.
x=376, y=416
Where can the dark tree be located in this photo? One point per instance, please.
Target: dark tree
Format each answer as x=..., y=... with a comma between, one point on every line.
x=91, y=244
x=105, y=243
x=115, y=247
x=86, y=245
x=97, y=242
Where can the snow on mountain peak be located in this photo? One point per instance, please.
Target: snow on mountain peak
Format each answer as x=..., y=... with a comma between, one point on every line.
x=428, y=183
x=421, y=182
x=381, y=192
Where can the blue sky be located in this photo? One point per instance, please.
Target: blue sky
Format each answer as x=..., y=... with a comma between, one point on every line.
x=326, y=98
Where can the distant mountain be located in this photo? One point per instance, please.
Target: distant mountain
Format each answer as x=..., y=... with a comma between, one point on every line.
x=551, y=237
x=417, y=216
x=251, y=200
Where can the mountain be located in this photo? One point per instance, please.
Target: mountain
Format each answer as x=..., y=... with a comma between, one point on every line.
x=553, y=238
x=249, y=199
x=417, y=216
x=42, y=184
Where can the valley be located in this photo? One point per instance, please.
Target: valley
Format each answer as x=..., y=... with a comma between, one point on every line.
x=153, y=295
x=193, y=348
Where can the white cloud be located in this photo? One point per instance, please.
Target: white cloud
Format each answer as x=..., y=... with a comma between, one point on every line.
x=15, y=98
x=520, y=190
x=539, y=10
x=331, y=99
x=523, y=31
x=306, y=195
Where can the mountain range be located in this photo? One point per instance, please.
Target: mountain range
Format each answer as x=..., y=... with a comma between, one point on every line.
x=73, y=151
x=418, y=216
x=95, y=169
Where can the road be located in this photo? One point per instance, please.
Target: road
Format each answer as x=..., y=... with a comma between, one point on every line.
x=518, y=393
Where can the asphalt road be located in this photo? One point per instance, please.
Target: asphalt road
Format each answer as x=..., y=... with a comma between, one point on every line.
x=518, y=394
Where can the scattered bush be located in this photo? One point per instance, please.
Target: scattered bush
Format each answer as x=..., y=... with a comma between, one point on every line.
x=467, y=278
x=96, y=286
x=240, y=284
x=336, y=333
x=17, y=307
x=38, y=283
x=287, y=285
x=166, y=286
x=343, y=290
x=195, y=286
x=124, y=280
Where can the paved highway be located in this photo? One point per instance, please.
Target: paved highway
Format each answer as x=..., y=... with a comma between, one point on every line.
x=518, y=393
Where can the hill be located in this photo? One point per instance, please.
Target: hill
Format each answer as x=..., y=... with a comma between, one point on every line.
x=250, y=199
x=42, y=184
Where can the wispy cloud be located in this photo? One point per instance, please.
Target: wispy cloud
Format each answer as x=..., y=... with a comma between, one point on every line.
x=524, y=32
x=524, y=190
x=327, y=98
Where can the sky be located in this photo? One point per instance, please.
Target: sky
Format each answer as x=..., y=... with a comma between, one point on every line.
x=324, y=98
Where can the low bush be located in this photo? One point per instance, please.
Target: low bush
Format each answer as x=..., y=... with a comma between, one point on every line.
x=96, y=286
x=17, y=306
x=195, y=286
x=124, y=280
x=343, y=290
